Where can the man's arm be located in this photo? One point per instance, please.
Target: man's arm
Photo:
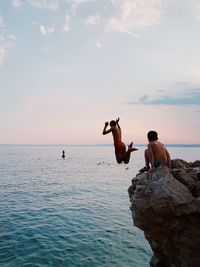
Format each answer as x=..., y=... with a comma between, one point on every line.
x=168, y=159
x=104, y=129
x=117, y=122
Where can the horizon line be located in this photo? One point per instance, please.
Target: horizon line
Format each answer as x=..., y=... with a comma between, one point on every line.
x=103, y=145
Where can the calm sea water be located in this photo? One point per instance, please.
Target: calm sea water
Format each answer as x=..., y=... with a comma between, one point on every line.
x=72, y=212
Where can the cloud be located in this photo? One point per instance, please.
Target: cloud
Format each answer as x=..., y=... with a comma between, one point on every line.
x=45, y=4
x=79, y=2
x=66, y=26
x=98, y=44
x=35, y=23
x=189, y=93
x=75, y=4
x=192, y=82
x=192, y=98
x=46, y=29
x=17, y=3
x=143, y=98
x=135, y=14
x=194, y=78
x=7, y=42
x=92, y=19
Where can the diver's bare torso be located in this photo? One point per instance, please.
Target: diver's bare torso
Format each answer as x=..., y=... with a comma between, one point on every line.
x=116, y=132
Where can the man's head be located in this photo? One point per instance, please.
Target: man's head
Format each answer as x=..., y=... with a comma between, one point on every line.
x=112, y=123
x=152, y=136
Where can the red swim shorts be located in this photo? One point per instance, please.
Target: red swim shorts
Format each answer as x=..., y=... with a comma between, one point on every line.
x=119, y=147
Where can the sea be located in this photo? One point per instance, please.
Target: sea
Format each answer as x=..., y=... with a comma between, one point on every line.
x=71, y=212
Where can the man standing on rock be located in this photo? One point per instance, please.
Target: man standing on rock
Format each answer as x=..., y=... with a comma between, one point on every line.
x=156, y=153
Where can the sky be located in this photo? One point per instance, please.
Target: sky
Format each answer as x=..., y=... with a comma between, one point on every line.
x=68, y=66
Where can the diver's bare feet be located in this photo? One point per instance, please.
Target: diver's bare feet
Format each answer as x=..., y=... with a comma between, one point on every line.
x=131, y=148
x=131, y=144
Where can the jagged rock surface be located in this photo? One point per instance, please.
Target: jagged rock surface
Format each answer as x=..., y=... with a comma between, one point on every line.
x=166, y=206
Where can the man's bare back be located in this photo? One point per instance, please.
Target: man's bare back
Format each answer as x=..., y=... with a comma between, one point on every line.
x=159, y=151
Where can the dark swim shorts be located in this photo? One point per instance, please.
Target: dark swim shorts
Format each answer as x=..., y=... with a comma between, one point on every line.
x=119, y=147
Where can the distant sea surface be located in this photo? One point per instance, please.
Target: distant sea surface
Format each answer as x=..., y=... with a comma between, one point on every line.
x=71, y=212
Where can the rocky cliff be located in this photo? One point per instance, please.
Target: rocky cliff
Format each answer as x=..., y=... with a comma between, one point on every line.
x=166, y=206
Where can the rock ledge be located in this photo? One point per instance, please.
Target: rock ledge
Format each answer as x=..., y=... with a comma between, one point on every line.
x=166, y=206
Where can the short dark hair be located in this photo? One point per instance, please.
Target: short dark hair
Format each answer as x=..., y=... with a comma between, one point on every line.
x=152, y=136
x=113, y=123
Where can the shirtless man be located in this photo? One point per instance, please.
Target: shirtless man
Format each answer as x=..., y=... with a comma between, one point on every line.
x=156, y=153
x=122, y=155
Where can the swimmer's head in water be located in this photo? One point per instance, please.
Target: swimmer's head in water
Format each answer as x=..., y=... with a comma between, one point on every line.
x=112, y=123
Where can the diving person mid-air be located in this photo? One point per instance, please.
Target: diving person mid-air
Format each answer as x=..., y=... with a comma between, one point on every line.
x=122, y=155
